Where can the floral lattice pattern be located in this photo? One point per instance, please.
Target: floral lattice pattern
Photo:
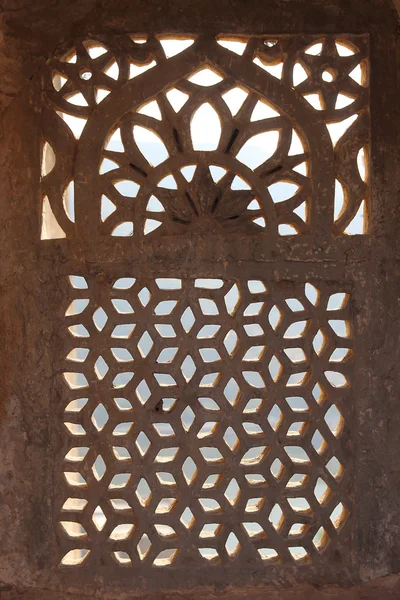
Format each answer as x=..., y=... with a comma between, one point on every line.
x=155, y=136
x=206, y=422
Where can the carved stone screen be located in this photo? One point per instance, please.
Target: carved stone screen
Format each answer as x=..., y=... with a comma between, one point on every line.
x=205, y=384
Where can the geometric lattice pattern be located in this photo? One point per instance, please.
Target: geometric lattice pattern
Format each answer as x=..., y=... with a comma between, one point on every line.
x=206, y=422
x=152, y=137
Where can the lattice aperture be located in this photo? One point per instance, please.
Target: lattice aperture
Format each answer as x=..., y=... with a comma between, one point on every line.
x=206, y=421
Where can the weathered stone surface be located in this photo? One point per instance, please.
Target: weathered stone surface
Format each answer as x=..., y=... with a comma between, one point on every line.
x=32, y=290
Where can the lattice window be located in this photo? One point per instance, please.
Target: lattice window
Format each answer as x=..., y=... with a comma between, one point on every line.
x=206, y=374
x=152, y=137
x=205, y=421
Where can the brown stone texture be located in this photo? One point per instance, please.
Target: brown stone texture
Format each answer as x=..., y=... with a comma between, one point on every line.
x=363, y=560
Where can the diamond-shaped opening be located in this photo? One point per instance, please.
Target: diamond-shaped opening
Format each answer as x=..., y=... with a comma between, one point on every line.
x=211, y=455
x=79, y=331
x=276, y=517
x=210, y=554
x=122, y=558
x=312, y=294
x=122, y=306
x=275, y=317
x=275, y=369
x=75, y=428
x=164, y=429
x=120, y=505
x=121, y=453
x=99, y=518
x=319, y=342
x=122, y=531
x=231, y=341
x=231, y=439
x=337, y=301
x=187, y=418
x=319, y=394
x=208, y=332
x=210, y=530
x=297, y=404
x=296, y=330
x=187, y=518
x=143, y=392
x=212, y=481
x=210, y=505
x=321, y=539
x=299, y=553
x=78, y=355
x=339, y=515
x=165, y=380
x=296, y=355
x=318, y=442
x=99, y=416
x=298, y=529
x=254, y=530
x=142, y=443
x=119, y=481
x=294, y=304
x=209, y=404
x=100, y=318
x=254, y=455
x=254, y=505
x=232, y=545
x=277, y=469
x=165, y=531
x=75, y=504
x=187, y=319
x=232, y=299
x=253, y=309
x=122, y=355
x=252, y=429
x=101, y=368
x=123, y=332
x=254, y=354
x=188, y=368
x=209, y=380
x=76, y=405
x=165, y=557
x=165, y=307
x=165, y=330
x=145, y=344
x=144, y=296
x=75, y=557
x=208, y=307
x=340, y=355
x=167, y=355
x=256, y=480
x=75, y=381
x=232, y=492
x=334, y=420
x=73, y=529
x=268, y=554
x=165, y=506
x=253, y=330
x=144, y=546
x=166, y=455
x=253, y=406
x=143, y=492
x=275, y=417
x=334, y=467
x=322, y=491
x=165, y=478
x=209, y=355
x=297, y=481
x=167, y=405
x=208, y=429
x=124, y=283
x=299, y=504
x=122, y=379
x=336, y=379
x=99, y=467
x=189, y=470
x=75, y=479
x=122, y=428
x=297, y=454
x=254, y=379
x=340, y=327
